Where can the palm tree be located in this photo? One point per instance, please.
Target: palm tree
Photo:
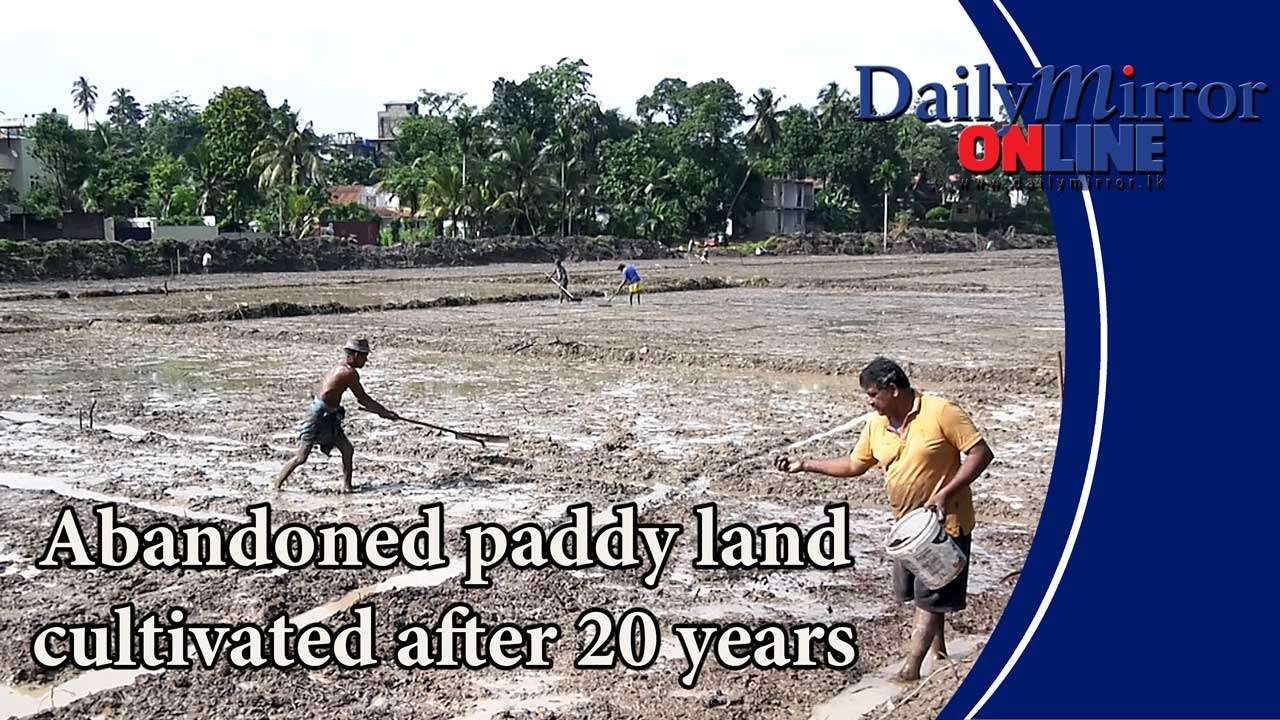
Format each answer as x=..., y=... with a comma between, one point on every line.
x=765, y=131
x=485, y=202
x=563, y=148
x=204, y=177
x=124, y=109
x=288, y=157
x=447, y=197
x=832, y=104
x=655, y=178
x=465, y=126
x=85, y=97
x=885, y=175
x=520, y=165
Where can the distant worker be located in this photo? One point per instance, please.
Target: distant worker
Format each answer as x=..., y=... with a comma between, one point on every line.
x=918, y=440
x=323, y=425
x=561, y=277
x=206, y=261
x=631, y=281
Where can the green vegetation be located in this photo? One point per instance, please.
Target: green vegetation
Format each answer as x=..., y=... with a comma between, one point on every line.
x=543, y=158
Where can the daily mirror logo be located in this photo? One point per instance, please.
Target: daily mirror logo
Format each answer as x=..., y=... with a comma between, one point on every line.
x=1109, y=131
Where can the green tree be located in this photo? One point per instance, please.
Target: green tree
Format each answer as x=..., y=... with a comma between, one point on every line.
x=357, y=170
x=124, y=110
x=520, y=166
x=833, y=106
x=182, y=207
x=440, y=105
x=42, y=202
x=447, y=198
x=715, y=110
x=765, y=132
x=85, y=97
x=172, y=126
x=519, y=107
x=119, y=183
x=66, y=156
x=668, y=103
x=801, y=142
x=237, y=120
x=466, y=129
x=167, y=173
x=431, y=138
x=288, y=158
x=408, y=183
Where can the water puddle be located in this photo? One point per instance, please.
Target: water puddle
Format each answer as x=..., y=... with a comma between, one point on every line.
x=38, y=483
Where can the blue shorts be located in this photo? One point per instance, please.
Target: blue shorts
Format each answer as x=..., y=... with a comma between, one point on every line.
x=323, y=426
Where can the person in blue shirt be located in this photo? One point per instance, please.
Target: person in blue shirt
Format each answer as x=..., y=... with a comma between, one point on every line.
x=631, y=281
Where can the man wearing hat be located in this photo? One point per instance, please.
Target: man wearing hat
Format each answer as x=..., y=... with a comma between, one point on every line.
x=323, y=425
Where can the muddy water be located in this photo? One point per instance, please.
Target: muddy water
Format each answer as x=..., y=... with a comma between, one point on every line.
x=680, y=402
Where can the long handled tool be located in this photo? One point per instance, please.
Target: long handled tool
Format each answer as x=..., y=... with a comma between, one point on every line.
x=563, y=289
x=482, y=438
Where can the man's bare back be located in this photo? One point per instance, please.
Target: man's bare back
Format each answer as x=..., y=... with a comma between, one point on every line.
x=323, y=426
x=335, y=383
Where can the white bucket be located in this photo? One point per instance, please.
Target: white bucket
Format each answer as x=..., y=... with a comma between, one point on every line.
x=922, y=545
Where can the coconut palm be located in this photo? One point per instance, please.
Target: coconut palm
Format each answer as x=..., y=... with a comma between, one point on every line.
x=486, y=201
x=466, y=127
x=289, y=157
x=447, y=197
x=833, y=104
x=124, y=109
x=765, y=131
x=523, y=174
x=85, y=97
x=562, y=147
x=885, y=175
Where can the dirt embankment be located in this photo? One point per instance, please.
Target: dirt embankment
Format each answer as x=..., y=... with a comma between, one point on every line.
x=85, y=259
x=89, y=259
x=915, y=240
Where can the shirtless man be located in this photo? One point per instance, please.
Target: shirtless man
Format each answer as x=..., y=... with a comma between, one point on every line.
x=323, y=425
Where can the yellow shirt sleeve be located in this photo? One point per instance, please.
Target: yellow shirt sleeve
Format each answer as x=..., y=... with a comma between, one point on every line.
x=862, y=451
x=958, y=428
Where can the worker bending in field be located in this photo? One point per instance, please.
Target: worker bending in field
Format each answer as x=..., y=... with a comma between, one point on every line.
x=323, y=425
x=918, y=440
x=631, y=281
x=561, y=278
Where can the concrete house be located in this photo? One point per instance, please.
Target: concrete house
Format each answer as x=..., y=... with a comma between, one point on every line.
x=390, y=117
x=784, y=208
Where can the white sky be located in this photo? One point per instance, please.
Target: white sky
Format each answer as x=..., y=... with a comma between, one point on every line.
x=337, y=62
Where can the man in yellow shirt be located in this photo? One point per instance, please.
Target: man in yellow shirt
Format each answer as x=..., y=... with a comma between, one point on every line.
x=917, y=440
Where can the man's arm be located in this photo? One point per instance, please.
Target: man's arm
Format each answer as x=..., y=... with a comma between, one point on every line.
x=363, y=398
x=975, y=461
x=844, y=466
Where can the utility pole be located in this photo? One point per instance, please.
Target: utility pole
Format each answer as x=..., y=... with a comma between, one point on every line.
x=885, y=237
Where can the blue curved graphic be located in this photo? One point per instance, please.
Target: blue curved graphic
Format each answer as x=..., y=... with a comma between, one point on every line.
x=1080, y=421
x=1161, y=609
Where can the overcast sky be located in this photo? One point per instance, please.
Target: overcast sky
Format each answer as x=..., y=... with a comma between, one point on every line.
x=337, y=62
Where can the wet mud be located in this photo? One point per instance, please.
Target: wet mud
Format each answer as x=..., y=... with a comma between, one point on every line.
x=681, y=401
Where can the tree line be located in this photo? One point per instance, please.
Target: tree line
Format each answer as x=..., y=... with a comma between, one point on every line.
x=542, y=158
